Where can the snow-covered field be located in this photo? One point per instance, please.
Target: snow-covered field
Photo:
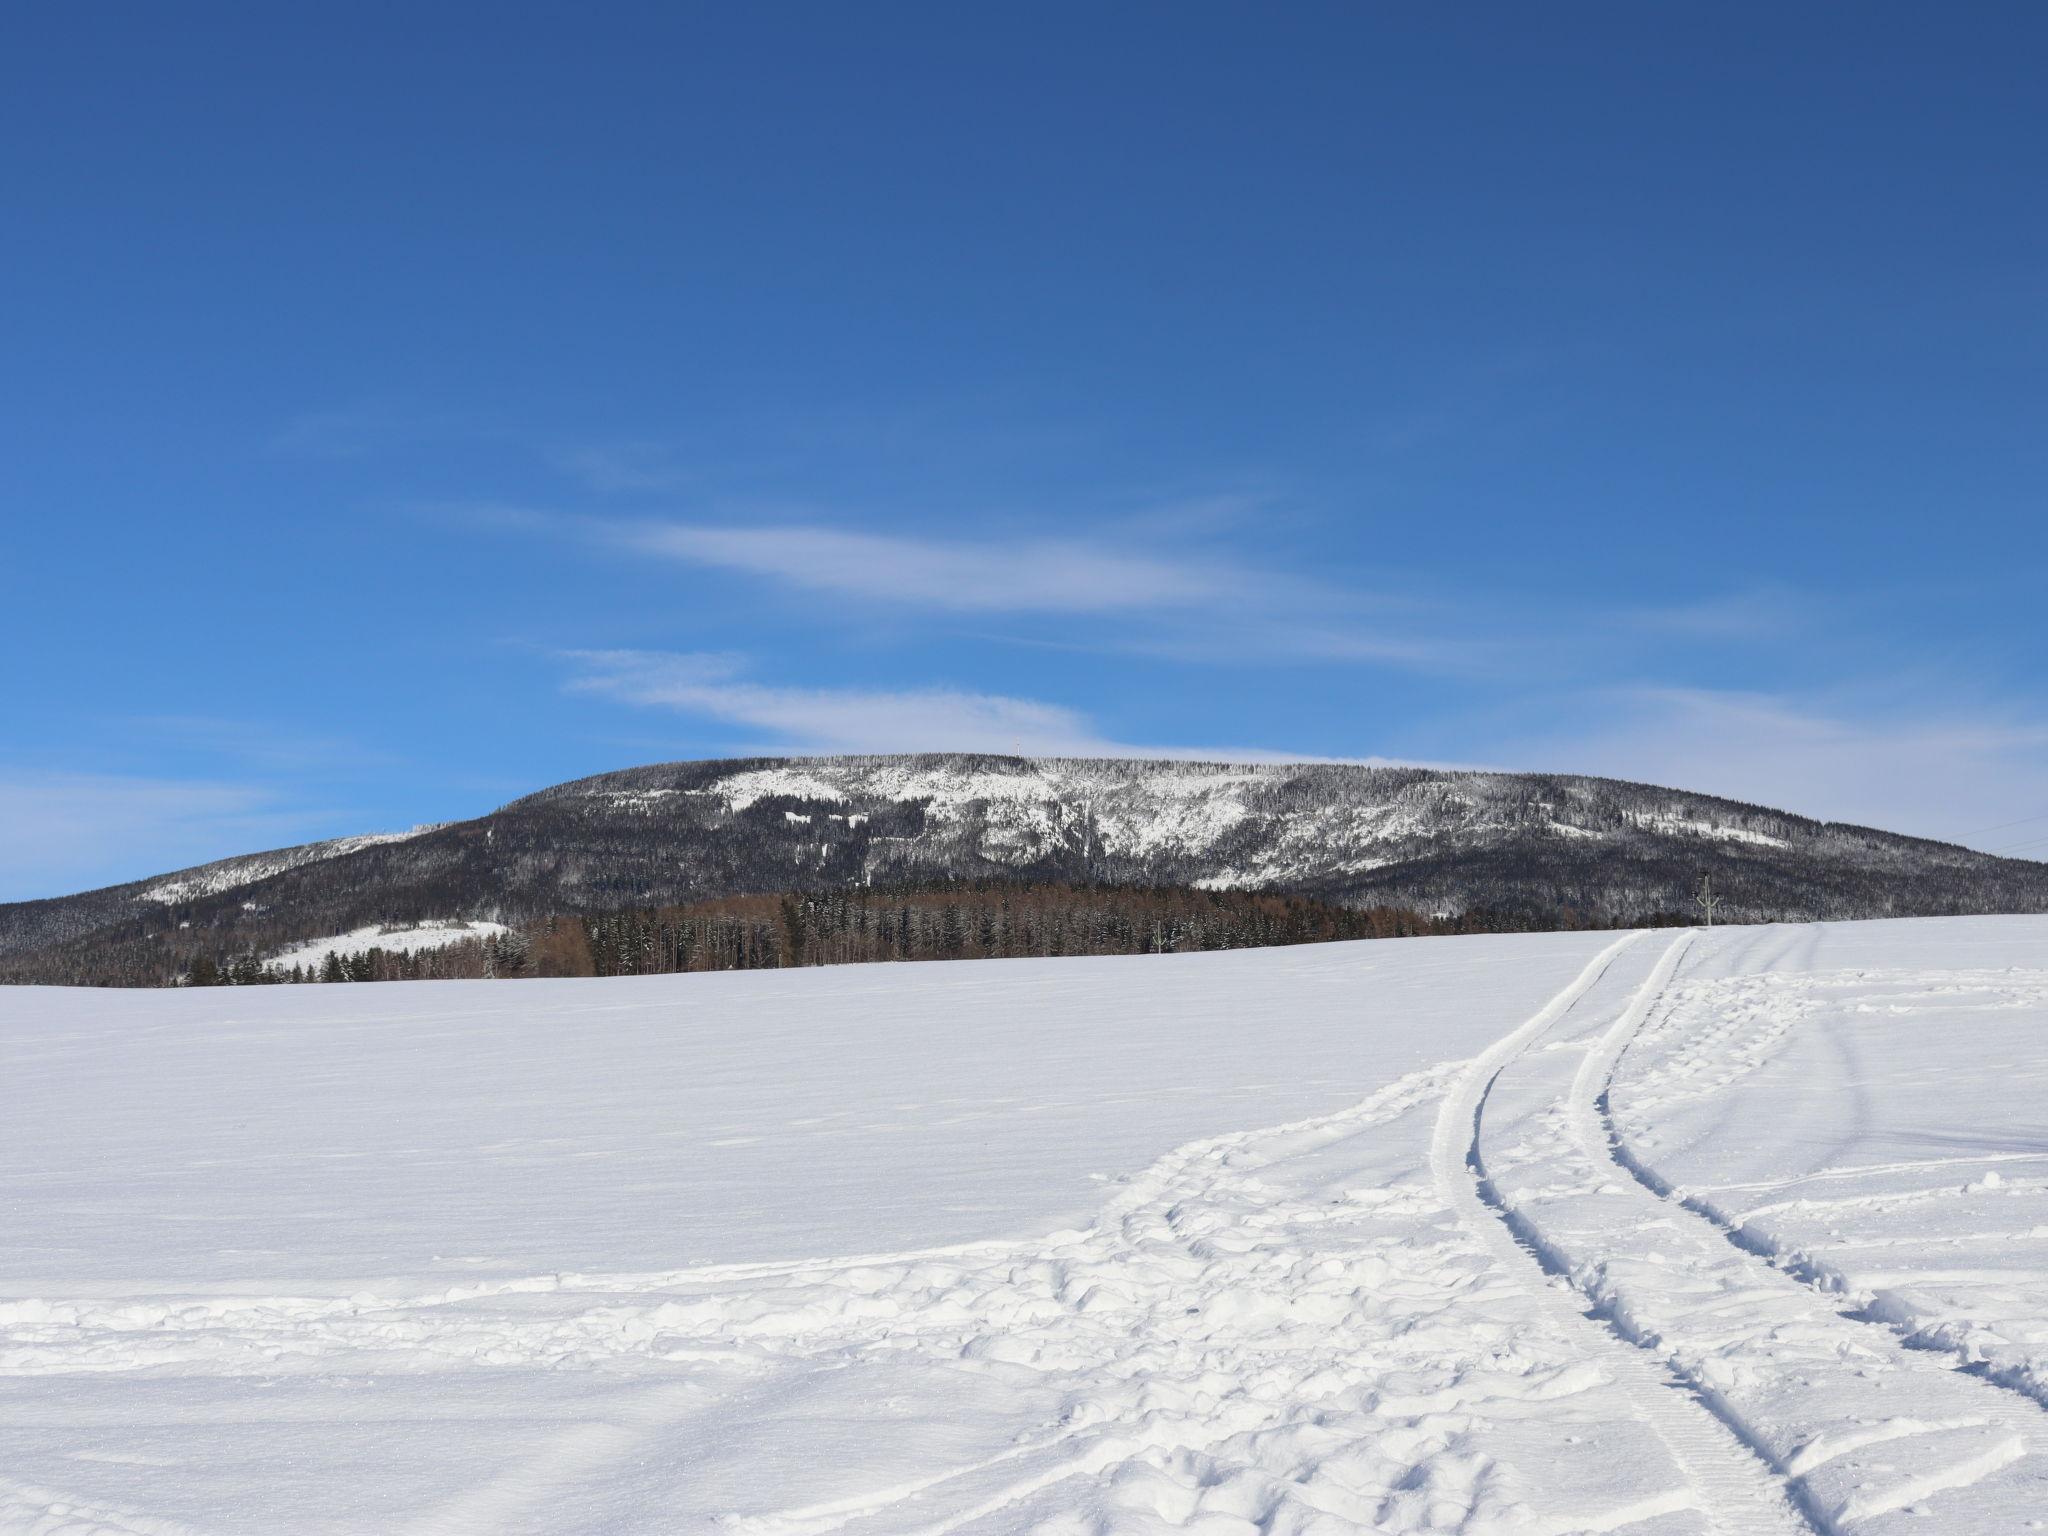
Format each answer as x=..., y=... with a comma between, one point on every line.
x=1666, y=1233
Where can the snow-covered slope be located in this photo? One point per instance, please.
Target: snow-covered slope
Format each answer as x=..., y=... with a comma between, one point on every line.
x=1271, y=1241
x=233, y=874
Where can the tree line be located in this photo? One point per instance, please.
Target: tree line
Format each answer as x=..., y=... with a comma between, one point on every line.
x=946, y=920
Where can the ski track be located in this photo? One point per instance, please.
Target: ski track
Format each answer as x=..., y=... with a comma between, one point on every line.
x=1871, y=1436
x=1734, y=1488
x=1985, y=1317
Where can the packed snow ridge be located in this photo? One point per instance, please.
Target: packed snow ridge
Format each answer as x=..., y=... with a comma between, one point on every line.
x=1675, y=1234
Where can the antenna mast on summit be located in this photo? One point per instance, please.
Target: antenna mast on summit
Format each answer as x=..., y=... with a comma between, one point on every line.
x=1706, y=898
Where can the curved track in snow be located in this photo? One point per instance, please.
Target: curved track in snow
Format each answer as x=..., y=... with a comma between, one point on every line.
x=1735, y=1489
x=1866, y=1435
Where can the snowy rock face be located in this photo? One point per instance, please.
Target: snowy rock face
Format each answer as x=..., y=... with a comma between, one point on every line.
x=1443, y=841
x=1216, y=825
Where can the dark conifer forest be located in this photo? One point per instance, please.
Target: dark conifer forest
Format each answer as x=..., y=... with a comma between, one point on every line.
x=952, y=920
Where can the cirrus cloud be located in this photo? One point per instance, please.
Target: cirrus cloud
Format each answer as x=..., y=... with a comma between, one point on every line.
x=1019, y=576
x=712, y=685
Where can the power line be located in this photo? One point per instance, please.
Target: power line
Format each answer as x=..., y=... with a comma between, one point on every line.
x=2023, y=821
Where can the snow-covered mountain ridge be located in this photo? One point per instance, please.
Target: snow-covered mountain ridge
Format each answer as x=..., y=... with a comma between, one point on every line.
x=247, y=869
x=1309, y=822
x=1547, y=846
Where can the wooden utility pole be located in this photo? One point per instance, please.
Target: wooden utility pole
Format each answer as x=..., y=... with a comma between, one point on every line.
x=1706, y=898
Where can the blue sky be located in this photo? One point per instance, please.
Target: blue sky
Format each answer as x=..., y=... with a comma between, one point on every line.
x=403, y=408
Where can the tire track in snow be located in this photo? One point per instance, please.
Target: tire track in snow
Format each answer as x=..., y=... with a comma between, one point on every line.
x=1792, y=1262
x=1869, y=1434
x=1735, y=1489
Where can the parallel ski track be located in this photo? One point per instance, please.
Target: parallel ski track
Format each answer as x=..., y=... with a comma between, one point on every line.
x=1774, y=1492
x=1737, y=1490
x=1593, y=1114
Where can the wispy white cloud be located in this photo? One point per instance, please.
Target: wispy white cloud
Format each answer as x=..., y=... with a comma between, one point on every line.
x=1012, y=576
x=615, y=468
x=713, y=686
x=832, y=719
x=1752, y=614
x=1281, y=639
x=1148, y=589
x=1207, y=606
x=66, y=832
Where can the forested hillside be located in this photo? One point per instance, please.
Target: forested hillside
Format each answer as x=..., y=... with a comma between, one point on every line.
x=1535, y=849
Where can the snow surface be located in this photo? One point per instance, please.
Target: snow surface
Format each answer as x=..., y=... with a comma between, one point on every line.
x=1659, y=1233
x=407, y=940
